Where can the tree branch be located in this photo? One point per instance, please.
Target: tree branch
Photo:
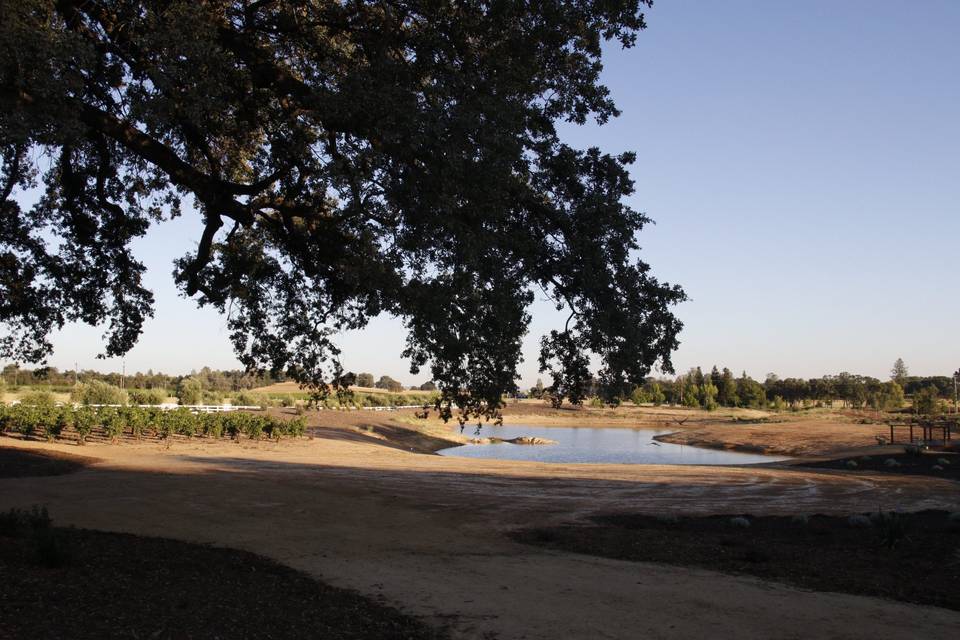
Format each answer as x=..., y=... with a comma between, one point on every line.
x=213, y=224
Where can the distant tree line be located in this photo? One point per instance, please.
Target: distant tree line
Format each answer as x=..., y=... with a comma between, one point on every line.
x=193, y=386
x=224, y=381
x=721, y=388
x=387, y=383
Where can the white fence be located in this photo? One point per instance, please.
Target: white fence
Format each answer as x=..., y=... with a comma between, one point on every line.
x=383, y=408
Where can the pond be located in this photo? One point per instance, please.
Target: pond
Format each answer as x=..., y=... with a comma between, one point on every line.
x=596, y=444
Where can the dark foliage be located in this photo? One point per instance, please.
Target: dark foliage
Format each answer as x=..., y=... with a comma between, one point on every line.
x=348, y=160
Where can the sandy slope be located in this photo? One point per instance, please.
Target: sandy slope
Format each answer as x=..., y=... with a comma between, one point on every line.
x=423, y=532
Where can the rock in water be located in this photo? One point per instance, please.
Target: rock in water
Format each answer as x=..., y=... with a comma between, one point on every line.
x=530, y=440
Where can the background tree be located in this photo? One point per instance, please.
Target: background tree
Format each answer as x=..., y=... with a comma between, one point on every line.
x=708, y=395
x=716, y=378
x=365, y=380
x=884, y=396
x=750, y=392
x=696, y=376
x=97, y=392
x=639, y=396
x=319, y=215
x=149, y=396
x=189, y=391
x=727, y=394
x=536, y=391
x=899, y=372
x=428, y=386
x=691, y=391
x=38, y=398
x=656, y=395
x=926, y=401
x=388, y=383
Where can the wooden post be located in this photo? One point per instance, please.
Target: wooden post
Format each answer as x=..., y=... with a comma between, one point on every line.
x=891, y=433
x=911, y=433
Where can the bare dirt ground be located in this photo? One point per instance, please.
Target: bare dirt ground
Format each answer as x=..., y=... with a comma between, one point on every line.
x=356, y=508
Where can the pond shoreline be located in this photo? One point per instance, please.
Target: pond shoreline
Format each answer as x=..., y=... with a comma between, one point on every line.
x=676, y=437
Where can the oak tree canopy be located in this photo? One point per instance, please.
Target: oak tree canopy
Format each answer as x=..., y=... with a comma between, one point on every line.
x=347, y=159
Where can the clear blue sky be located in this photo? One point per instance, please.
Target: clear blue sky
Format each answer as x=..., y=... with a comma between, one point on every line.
x=802, y=161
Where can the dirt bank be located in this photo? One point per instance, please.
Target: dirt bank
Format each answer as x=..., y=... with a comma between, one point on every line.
x=399, y=428
x=814, y=437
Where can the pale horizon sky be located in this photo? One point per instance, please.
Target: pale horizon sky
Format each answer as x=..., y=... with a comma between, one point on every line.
x=802, y=163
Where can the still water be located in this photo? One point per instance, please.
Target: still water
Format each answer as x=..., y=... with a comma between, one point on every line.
x=596, y=444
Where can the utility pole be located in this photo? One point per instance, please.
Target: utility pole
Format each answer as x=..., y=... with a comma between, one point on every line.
x=956, y=408
x=76, y=374
x=123, y=372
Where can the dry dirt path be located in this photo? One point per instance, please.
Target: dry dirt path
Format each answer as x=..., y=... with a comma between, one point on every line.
x=424, y=533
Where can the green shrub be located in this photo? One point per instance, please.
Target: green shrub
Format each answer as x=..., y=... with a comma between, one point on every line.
x=212, y=397
x=179, y=422
x=245, y=399
x=189, y=391
x=84, y=420
x=136, y=418
x=165, y=425
x=238, y=423
x=147, y=396
x=657, y=397
x=113, y=422
x=297, y=427
x=38, y=399
x=231, y=425
x=27, y=419
x=152, y=418
x=255, y=427
x=56, y=421
x=210, y=424
x=98, y=392
x=639, y=396
x=275, y=429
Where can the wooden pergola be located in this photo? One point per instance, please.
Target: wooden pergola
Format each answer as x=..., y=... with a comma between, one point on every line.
x=925, y=430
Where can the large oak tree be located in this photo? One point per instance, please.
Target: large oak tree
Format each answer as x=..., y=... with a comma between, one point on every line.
x=348, y=159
